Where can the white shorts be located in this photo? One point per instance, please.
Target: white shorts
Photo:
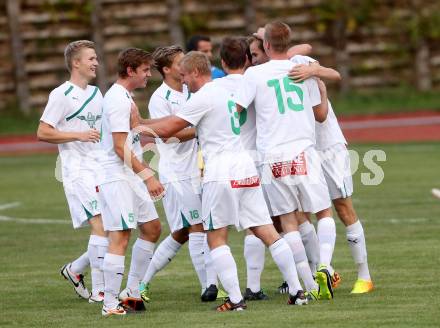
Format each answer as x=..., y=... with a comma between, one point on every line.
x=182, y=204
x=240, y=203
x=337, y=171
x=82, y=198
x=296, y=185
x=125, y=204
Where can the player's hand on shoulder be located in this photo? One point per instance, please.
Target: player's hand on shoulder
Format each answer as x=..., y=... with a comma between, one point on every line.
x=260, y=33
x=91, y=135
x=155, y=188
x=301, y=72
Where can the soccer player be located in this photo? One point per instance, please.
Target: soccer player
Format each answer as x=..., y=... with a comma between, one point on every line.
x=254, y=248
x=290, y=167
x=125, y=183
x=72, y=119
x=231, y=188
x=203, y=44
x=331, y=146
x=178, y=171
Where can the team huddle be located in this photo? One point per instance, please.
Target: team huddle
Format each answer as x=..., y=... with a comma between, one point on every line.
x=273, y=155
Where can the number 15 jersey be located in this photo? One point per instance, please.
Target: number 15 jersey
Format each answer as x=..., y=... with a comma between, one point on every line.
x=284, y=110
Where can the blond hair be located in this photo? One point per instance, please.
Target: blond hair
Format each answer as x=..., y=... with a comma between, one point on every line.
x=196, y=60
x=73, y=49
x=278, y=35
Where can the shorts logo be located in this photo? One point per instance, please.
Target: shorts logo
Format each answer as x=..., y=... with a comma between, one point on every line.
x=246, y=183
x=296, y=167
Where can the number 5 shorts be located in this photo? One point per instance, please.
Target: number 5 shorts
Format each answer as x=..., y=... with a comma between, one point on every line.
x=298, y=184
x=125, y=204
x=82, y=199
x=182, y=203
x=225, y=203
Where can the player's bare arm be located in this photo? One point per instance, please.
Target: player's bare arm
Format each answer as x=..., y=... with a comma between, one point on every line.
x=320, y=111
x=165, y=127
x=299, y=49
x=300, y=73
x=48, y=133
x=142, y=169
x=142, y=126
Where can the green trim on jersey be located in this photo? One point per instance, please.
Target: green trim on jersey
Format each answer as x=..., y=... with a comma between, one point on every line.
x=84, y=105
x=124, y=225
x=186, y=224
x=89, y=215
x=189, y=95
x=68, y=90
x=167, y=96
x=210, y=226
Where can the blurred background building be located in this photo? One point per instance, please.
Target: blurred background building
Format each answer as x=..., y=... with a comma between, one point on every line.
x=372, y=43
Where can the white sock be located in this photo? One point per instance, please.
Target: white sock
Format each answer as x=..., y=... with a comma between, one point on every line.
x=211, y=275
x=358, y=247
x=311, y=244
x=293, y=239
x=163, y=255
x=226, y=269
x=80, y=264
x=283, y=257
x=141, y=256
x=96, y=250
x=196, y=246
x=254, y=250
x=327, y=238
x=113, y=267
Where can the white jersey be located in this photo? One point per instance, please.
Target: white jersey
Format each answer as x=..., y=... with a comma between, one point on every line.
x=248, y=130
x=73, y=109
x=284, y=110
x=328, y=133
x=178, y=161
x=116, y=118
x=212, y=110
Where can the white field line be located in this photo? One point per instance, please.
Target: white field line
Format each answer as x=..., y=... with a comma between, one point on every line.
x=400, y=220
x=9, y=205
x=33, y=220
x=391, y=122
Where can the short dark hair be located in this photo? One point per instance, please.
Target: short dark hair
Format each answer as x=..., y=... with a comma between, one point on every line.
x=193, y=42
x=133, y=58
x=164, y=56
x=233, y=52
x=259, y=42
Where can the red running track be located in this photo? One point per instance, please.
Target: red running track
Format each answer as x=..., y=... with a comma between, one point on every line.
x=385, y=128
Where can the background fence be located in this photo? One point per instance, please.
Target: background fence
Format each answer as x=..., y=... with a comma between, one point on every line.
x=372, y=43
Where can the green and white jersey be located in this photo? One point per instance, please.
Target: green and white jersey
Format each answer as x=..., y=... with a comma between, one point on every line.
x=178, y=160
x=284, y=110
x=73, y=109
x=328, y=133
x=248, y=129
x=116, y=118
x=212, y=111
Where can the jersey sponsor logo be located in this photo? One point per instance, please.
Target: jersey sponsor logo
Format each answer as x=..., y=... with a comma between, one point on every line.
x=296, y=167
x=246, y=183
x=90, y=119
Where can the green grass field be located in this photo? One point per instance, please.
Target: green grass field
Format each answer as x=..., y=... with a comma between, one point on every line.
x=400, y=217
